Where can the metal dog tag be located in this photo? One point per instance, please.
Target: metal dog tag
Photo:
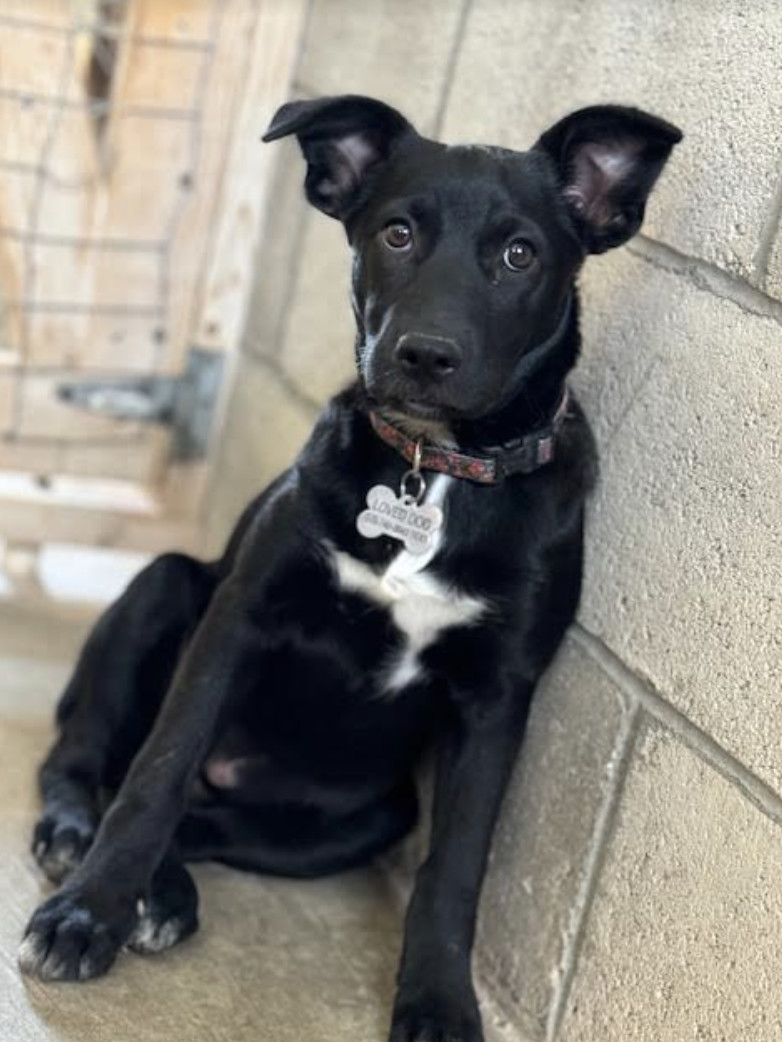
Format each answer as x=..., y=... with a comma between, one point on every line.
x=401, y=517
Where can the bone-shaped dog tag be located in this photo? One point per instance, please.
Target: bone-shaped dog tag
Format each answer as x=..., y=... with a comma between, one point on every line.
x=401, y=518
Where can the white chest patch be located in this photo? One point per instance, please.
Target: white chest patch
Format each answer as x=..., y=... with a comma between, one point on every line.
x=420, y=605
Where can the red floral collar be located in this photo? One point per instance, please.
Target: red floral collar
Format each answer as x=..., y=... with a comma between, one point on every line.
x=522, y=456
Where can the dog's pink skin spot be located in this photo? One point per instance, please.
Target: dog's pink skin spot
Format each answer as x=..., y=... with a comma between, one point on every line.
x=223, y=774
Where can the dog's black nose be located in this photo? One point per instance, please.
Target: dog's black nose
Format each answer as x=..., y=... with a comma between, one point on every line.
x=428, y=357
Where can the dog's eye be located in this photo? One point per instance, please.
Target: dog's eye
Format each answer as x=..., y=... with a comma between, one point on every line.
x=397, y=235
x=518, y=255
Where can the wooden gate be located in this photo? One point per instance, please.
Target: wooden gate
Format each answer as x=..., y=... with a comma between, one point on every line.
x=132, y=180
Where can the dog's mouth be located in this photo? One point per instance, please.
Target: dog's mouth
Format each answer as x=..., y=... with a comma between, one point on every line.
x=420, y=410
x=417, y=418
x=414, y=408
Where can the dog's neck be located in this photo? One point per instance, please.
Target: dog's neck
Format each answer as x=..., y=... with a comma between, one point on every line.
x=531, y=407
x=534, y=400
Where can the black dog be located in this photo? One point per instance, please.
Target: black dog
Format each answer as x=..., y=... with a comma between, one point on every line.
x=268, y=709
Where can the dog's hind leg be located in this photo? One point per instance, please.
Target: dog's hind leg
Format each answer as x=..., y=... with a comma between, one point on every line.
x=303, y=842
x=112, y=700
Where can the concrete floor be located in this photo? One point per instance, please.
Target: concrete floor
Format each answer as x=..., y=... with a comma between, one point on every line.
x=273, y=962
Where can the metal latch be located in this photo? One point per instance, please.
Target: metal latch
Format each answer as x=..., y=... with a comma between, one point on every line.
x=185, y=403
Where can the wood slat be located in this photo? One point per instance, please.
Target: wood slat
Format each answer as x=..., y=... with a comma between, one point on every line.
x=98, y=342
x=224, y=89
x=220, y=300
x=159, y=76
x=52, y=518
x=24, y=40
x=46, y=15
x=181, y=22
x=87, y=275
x=46, y=458
x=7, y=387
x=230, y=272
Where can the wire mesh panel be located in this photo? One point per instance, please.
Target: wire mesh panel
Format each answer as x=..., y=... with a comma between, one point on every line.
x=129, y=175
x=101, y=105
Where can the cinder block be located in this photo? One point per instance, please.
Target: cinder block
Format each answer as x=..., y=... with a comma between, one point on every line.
x=712, y=69
x=317, y=346
x=683, y=937
x=625, y=331
x=684, y=552
x=264, y=429
x=544, y=837
x=396, y=51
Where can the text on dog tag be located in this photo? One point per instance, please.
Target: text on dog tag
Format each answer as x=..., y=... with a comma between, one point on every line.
x=400, y=518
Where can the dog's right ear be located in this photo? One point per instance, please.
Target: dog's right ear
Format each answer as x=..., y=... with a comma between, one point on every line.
x=342, y=139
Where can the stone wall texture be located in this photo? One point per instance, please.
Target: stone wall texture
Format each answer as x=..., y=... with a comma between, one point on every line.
x=635, y=890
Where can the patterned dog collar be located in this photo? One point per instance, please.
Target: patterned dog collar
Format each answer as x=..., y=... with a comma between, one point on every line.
x=523, y=456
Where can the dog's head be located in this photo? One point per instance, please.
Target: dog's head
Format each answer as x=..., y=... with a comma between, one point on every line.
x=465, y=257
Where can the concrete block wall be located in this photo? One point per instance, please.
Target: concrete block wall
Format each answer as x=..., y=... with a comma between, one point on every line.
x=635, y=888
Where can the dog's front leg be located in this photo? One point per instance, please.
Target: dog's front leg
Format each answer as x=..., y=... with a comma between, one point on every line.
x=77, y=933
x=435, y=997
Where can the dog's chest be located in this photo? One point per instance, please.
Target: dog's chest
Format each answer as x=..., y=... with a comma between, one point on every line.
x=420, y=604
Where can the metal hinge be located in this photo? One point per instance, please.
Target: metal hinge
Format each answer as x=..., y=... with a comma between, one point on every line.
x=185, y=403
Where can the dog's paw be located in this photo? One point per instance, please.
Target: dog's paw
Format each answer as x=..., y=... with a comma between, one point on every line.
x=60, y=843
x=157, y=930
x=437, y=1018
x=169, y=913
x=67, y=940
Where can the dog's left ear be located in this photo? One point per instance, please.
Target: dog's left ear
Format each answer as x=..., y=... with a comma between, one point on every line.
x=343, y=139
x=608, y=159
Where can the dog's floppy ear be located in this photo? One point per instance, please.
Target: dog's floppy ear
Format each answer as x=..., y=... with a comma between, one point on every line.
x=608, y=159
x=343, y=139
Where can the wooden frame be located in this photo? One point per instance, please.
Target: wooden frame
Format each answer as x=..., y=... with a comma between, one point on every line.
x=209, y=249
